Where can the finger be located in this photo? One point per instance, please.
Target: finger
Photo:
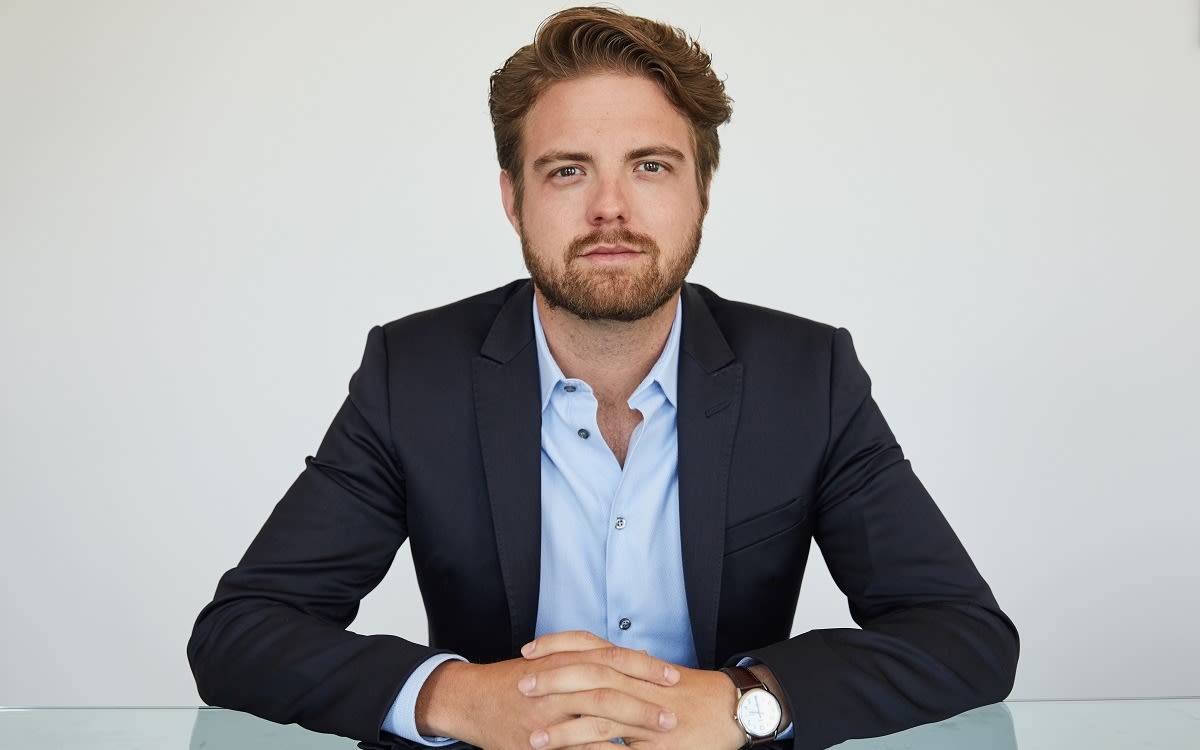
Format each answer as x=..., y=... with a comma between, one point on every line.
x=608, y=744
x=567, y=640
x=577, y=677
x=586, y=731
x=637, y=664
x=615, y=706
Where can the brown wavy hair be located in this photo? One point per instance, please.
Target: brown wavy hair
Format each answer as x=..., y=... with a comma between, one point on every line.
x=577, y=42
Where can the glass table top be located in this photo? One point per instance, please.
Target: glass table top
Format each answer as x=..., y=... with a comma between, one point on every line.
x=1029, y=725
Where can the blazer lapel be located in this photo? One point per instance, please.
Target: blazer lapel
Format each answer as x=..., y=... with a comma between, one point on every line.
x=508, y=415
x=710, y=388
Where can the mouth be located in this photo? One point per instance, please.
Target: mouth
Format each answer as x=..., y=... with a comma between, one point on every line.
x=602, y=252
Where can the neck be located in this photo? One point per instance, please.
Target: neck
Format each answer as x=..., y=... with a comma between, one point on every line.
x=611, y=356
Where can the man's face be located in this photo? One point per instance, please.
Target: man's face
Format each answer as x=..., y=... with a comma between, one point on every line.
x=611, y=212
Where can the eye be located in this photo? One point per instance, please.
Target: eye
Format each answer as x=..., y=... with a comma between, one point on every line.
x=653, y=167
x=566, y=172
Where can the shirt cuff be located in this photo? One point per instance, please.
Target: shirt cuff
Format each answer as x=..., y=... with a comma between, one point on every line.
x=401, y=719
x=786, y=733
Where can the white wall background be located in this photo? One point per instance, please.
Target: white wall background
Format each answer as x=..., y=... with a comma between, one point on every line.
x=204, y=207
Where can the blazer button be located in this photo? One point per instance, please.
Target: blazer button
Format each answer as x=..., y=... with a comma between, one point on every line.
x=624, y=623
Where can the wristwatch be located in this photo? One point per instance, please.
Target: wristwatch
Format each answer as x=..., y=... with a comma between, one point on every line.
x=758, y=711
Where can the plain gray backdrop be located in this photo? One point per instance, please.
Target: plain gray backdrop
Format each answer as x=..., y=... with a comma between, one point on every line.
x=205, y=206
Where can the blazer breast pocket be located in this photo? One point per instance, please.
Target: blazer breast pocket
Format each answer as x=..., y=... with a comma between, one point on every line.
x=765, y=526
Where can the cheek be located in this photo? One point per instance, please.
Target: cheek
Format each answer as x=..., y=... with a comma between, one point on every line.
x=559, y=220
x=682, y=218
x=543, y=232
x=679, y=205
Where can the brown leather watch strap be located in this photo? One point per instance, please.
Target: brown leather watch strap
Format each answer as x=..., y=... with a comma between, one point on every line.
x=743, y=679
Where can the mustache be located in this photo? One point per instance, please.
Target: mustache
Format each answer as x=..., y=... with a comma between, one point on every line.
x=621, y=236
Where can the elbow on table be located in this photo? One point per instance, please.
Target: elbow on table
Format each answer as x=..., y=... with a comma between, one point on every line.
x=214, y=667
x=1007, y=652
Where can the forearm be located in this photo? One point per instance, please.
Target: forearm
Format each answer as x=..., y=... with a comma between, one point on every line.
x=912, y=667
x=275, y=662
x=443, y=702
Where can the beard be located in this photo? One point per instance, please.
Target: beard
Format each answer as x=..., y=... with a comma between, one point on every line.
x=616, y=294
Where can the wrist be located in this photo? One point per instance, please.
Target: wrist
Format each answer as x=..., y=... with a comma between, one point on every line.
x=440, y=703
x=732, y=736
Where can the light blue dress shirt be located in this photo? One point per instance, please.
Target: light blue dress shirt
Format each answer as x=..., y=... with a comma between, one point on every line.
x=610, y=556
x=611, y=561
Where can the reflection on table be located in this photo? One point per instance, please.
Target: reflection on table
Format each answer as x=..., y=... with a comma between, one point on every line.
x=1028, y=725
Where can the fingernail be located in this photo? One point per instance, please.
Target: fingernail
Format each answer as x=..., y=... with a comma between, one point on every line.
x=526, y=684
x=528, y=648
x=667, y=720
x=671, y=675
x=539, y=739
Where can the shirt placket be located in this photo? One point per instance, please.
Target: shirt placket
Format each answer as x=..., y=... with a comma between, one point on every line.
x=590, y=454
x=626, y=606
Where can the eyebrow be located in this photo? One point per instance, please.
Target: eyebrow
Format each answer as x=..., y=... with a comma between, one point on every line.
x=659, y=150
x=551, y=157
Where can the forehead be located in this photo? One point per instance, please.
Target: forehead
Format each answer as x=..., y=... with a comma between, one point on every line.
x=604, y=111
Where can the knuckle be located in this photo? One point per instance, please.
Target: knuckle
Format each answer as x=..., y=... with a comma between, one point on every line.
x=548, y=706
x=595, y=672
x=601, y=726
x=604, y=699
x=650, y=716
x=649, y=666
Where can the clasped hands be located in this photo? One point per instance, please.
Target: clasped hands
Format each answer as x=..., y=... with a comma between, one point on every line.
x=577, y=690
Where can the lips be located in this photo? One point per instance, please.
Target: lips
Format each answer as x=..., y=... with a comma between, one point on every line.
x=612, y=245
x=612, y=250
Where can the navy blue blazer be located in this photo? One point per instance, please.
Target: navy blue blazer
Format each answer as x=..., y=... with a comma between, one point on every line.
x=438, y=442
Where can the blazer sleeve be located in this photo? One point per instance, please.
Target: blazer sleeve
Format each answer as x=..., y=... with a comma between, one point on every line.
x=273, y=642
x=933, y=641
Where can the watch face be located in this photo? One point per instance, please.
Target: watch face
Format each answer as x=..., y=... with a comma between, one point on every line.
x=758, y=712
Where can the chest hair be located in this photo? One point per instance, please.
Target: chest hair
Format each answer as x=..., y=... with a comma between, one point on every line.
x=617, y=423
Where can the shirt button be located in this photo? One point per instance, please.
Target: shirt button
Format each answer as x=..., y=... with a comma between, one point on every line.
x=584, y=434
x=624, y=623
x=569, y=388
x=620, y=524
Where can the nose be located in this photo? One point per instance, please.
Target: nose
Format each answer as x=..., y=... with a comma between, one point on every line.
x=609, y=202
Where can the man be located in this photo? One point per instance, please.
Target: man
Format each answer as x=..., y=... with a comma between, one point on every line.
x=610, y=479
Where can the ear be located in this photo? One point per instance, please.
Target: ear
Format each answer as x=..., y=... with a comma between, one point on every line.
x=508, y=196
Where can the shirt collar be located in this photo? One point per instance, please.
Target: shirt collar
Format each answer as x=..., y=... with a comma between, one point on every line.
x=665, y=371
